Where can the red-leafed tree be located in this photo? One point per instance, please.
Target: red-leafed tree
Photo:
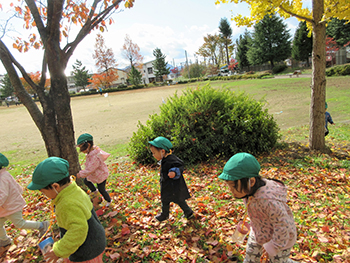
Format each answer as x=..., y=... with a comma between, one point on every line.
x=35, y=76
x=331, y=48
x=52, y=21
x=104, y=79
x=105, y=63
x=131, y=52
x=233, y=64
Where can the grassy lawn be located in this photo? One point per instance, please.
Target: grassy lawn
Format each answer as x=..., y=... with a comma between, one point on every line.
x=318, y=183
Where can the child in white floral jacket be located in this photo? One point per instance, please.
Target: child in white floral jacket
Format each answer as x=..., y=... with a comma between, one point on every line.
x=273, y=232
x=96, y=171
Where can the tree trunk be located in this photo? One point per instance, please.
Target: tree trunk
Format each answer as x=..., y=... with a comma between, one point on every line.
x=60, y=97
x=228, y=60
x=318, y=84
x=55, y=122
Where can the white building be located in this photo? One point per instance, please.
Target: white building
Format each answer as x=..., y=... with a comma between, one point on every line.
x=148, y=72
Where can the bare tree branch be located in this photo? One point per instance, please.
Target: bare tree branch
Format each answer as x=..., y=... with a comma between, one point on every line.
x=296, y=15
x=88, y=26
x=38, y=21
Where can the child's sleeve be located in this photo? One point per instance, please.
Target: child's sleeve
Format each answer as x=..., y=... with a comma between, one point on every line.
x=77, y=231
x=282, y=220
x=4, y=187
x=330, y=119
x=177, y=172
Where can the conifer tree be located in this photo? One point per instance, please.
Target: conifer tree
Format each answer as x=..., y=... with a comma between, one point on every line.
x=159, y=65
x=134, y=76
x=81, y=74
x=271, y=41
x=6, y=86
x=302, y=44
x=242, y=48
x=225, y=34
x=339, y=30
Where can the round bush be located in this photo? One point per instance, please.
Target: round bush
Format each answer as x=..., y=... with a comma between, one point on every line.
x=206, y=123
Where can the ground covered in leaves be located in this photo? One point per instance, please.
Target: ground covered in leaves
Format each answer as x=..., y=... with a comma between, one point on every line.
x=319, y=197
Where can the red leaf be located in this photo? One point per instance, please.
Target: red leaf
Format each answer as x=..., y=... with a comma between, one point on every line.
x=99, y=212
x=125, y=231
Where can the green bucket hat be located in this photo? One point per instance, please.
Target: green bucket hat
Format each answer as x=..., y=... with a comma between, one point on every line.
x=326, y=105
x=240, y=165
x=3, y=161
x=49, y=171
x=162, y=143
x=85, y=137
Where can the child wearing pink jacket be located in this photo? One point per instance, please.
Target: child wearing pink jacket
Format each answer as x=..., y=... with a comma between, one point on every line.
x=273, y=231
x=11, y=205
x=96, y=171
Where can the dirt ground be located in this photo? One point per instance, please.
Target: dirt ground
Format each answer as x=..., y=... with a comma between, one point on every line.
x=110, y=120
x=113, y=119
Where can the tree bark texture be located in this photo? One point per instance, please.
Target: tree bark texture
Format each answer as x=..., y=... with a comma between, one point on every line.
x=318, y=84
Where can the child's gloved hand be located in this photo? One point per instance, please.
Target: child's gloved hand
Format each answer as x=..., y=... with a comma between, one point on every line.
x=171, y=174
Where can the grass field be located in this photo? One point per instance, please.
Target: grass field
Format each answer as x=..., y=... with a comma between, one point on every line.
x=113, y=119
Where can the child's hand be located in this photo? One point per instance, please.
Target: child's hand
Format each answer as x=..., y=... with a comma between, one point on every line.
x=50, y=256
x=78, y=175
x=264, y=257
x=171, y=174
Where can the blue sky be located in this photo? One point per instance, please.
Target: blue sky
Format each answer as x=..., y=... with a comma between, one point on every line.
x=172, y=26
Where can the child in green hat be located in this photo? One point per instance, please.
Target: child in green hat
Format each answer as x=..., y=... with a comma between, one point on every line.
x=82, y=235
x=11, y=205
x=96, y=170
x=273, y=232
x=173, y=187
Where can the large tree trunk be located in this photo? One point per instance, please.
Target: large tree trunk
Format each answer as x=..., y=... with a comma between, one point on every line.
x=55, y=121
x=318, y=85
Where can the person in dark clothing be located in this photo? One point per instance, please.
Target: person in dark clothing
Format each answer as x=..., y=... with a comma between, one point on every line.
x=173, y=187
x=328, y=118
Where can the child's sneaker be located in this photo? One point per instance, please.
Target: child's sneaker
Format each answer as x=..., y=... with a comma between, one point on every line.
x=161, y=217
x=6, y=242
x=108, y=204
x=44, y=226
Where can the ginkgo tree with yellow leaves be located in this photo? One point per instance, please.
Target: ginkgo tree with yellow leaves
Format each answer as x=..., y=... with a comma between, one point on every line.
x=316, y=16
x=52, y=21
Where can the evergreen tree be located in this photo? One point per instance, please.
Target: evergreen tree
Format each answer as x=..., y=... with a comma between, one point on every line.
x=339, y=30
x=6, y=86
x=225, y=34
x=302, y=44
x=80, y=74
x=159, y=65
x=134, y=76
x=271, y=41
x=243, y=44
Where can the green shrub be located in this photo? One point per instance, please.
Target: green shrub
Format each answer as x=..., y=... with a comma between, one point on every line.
x=206, y=123
x=279, y=68
x=341, y=70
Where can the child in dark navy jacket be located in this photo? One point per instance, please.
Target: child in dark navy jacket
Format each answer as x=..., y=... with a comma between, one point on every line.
x=173, y=187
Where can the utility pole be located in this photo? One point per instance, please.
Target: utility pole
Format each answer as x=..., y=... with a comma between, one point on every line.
x=189, y=76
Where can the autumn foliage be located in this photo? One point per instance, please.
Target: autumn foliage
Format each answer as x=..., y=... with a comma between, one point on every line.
x=77, y=13
x=106, y=64
x=104, y=79
x=36, y=77
x=318, y=196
